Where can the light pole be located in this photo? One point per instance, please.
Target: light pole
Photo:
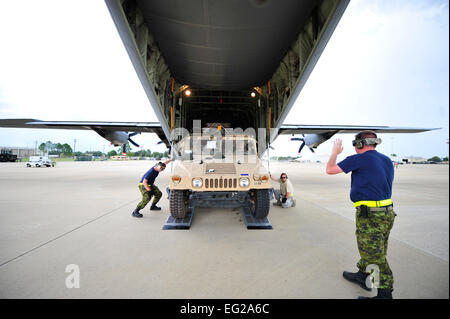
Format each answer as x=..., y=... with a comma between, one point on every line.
x=447, y=150
x=392, y=146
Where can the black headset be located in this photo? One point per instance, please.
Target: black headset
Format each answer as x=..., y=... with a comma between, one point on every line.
x=162, y=165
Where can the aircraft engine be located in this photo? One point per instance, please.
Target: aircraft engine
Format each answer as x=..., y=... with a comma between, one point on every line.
x=311, y=140
x=118, y=138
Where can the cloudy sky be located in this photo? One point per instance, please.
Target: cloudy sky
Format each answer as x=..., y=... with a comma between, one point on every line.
x=386, y=64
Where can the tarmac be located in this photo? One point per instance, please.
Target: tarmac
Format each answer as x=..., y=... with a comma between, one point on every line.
x=79, y=213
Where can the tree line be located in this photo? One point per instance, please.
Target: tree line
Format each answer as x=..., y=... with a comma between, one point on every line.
x=141, y=153
x=56, y=148
x=65, y=150
x=437, y=159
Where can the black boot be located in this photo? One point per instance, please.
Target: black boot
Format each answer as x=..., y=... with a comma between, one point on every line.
x=154, y=207
x=136, y=213
x=358, y=278
x=383, y=293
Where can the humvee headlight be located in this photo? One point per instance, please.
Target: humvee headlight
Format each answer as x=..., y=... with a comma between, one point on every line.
x=197, y=182
x=176, y=179
x=256, y=177
x=244, y=182
x=264, y=178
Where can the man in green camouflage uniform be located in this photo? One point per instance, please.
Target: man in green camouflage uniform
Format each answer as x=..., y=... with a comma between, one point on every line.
x=371, y=190
x=148, y=189
x=372, y=234
x=147, y=196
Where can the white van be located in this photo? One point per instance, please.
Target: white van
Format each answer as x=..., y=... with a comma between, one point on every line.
x=39, y=161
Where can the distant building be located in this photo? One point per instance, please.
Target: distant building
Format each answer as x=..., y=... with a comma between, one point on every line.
x=21, y=152
x=413, y=160
x=128, y=158
x=119, y=158
x=408, y=159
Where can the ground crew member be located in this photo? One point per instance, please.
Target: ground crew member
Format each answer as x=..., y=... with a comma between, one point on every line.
x=284, y=195
x=148, y=188
x=371, y=190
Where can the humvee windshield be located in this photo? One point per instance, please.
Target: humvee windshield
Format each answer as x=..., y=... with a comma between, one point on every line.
x=212, y=147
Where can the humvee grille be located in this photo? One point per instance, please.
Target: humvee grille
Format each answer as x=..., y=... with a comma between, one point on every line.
x=220, y=182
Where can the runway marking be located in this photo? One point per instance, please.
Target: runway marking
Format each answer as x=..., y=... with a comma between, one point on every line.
x=68, y=232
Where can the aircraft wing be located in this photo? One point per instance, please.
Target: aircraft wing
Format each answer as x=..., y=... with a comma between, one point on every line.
x=314, y=135
x=327, y=129
x=102, y=128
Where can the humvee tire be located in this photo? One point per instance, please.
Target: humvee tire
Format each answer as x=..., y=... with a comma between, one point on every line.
x=262, y=203
x=177, y=205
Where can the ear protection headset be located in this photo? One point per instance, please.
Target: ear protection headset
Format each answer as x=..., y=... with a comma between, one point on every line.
x=359, y=141
x=162, y=165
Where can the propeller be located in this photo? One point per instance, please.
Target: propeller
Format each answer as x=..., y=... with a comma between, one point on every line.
x=301, y=147
x=131, y=141
x=124, y=146
x=303, y=143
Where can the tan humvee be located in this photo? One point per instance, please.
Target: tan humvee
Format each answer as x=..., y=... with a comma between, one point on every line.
x=218, y=171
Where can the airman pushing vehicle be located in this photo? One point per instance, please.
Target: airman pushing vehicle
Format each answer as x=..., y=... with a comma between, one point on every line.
x=218, y=171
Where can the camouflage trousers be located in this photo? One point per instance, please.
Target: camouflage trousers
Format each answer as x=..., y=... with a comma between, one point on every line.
x=372, y=234
x=146, y=196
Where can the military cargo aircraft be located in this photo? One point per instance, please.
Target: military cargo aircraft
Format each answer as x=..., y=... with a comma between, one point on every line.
x=223, y=65
x=243, y=63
